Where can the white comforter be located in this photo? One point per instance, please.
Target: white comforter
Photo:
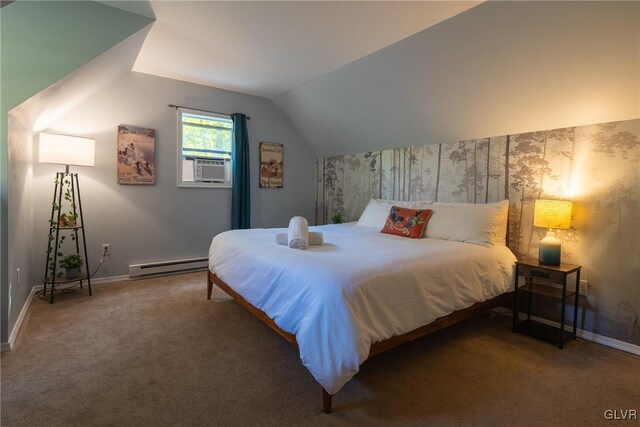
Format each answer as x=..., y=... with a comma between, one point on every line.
x=360, y=287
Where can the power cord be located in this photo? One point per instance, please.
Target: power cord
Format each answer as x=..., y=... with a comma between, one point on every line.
x=69, y=289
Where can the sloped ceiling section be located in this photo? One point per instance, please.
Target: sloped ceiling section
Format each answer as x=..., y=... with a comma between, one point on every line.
x=266, y=48
x=44, y=108
x=43, y=41
x=138, y=7
x=499, y=68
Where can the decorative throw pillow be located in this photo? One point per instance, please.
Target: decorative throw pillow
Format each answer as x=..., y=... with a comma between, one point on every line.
x=407, y=222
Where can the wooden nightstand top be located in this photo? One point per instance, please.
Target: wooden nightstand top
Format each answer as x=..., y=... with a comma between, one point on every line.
x=563, y=268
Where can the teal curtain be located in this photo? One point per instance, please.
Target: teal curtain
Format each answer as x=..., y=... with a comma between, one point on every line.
x=240, y=194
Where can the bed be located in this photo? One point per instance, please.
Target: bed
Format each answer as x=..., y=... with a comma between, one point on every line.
x=360, y=293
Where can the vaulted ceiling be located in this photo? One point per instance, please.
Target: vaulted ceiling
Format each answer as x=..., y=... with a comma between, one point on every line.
x=361, y=76
x=268, y=48
x=503, y=67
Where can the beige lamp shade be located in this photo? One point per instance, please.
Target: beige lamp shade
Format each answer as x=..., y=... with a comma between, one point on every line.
x=66, y=150
x=552, y=214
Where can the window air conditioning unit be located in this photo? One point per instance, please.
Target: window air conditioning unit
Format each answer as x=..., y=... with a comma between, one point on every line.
x=212, y=170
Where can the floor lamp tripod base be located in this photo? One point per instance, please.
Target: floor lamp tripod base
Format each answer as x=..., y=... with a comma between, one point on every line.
x=66, y=190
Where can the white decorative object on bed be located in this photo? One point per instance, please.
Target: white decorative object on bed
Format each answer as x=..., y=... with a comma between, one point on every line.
x=298, y=233
x=363, y=288
x=315, y=238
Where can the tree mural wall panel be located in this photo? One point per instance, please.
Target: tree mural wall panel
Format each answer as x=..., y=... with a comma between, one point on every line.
x=496, y=179
x=319, y=191
x=540, y=167
x=330, y=198
x=464, y=168
x=609, y=244
x=357, y=184
x=455, y=172
x=386, y=163
x=423, y=174
x=597, y=166
x=372, y=162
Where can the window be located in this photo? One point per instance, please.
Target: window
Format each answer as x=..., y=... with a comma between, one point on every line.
x=204, y=149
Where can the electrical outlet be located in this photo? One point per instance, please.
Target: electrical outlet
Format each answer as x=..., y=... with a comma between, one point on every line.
x=584, y=287
x=106, y=249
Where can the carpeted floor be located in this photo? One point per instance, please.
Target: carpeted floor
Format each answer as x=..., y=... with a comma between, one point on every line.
x=157, y=352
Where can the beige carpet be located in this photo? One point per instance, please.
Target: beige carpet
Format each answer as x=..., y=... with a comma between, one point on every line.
x=157, y=352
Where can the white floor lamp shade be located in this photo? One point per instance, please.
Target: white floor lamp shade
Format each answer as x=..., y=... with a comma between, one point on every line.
x=66, y=150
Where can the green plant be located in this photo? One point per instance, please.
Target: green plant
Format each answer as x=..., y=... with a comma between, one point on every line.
x=64, y=219
x=67, y=219
x=337, y=218
x=71, y=261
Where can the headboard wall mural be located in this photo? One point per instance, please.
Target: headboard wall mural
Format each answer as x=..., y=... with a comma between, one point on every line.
x=596, y=166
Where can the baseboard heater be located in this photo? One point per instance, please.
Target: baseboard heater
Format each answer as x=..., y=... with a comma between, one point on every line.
x=165, y=268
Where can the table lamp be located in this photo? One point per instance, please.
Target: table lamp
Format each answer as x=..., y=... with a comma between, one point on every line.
x=553, y=215
x=69, y=151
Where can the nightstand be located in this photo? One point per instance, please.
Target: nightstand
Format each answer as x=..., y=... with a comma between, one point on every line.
x=549, y=281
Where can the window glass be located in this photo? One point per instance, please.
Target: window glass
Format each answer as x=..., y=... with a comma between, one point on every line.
x=205, y=149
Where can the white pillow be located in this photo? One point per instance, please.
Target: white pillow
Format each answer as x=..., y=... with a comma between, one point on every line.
x=501, y=233
x=422, y=204
x=377, y=212
x=482, y=224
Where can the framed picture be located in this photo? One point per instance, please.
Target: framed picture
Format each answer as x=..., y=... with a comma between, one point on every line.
x=136, y=155
x=271, y=165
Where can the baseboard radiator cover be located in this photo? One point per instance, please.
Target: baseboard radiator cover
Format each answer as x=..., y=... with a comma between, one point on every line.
x=165, y=268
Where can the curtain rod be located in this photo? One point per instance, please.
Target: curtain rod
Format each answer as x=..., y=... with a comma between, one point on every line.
x=197, y=109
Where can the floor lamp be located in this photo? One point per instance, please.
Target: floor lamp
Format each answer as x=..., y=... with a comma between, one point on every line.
x=69, y=151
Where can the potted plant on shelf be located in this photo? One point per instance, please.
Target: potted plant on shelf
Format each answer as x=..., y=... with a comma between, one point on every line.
x=337, y=218
x=71, y=264
x=67, y=220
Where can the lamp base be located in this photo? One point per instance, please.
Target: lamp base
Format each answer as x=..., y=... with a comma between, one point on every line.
x=550, y=249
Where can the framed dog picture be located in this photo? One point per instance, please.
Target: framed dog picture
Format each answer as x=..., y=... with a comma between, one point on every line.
x=271, y=165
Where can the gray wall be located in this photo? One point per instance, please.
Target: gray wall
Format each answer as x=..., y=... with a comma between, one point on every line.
x=499, y=68
x=162, y=222
x=24, y=123
x=20, y=214
x=41, y=42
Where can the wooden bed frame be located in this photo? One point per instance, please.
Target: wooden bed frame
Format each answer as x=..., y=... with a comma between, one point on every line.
x=378, y=347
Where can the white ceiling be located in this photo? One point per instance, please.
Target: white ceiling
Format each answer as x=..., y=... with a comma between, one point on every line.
x=268, y=48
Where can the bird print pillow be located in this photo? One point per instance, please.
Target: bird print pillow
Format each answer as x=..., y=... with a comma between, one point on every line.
x=407, y=222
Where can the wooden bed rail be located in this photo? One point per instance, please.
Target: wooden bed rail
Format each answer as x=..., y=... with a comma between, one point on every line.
x=246, y=304
x=378, y=347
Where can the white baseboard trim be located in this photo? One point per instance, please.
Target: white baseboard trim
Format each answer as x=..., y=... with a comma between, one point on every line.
x=7, y=346
x=581, y=333
x=99, y=280
x=609, y=342
x=111, y=279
